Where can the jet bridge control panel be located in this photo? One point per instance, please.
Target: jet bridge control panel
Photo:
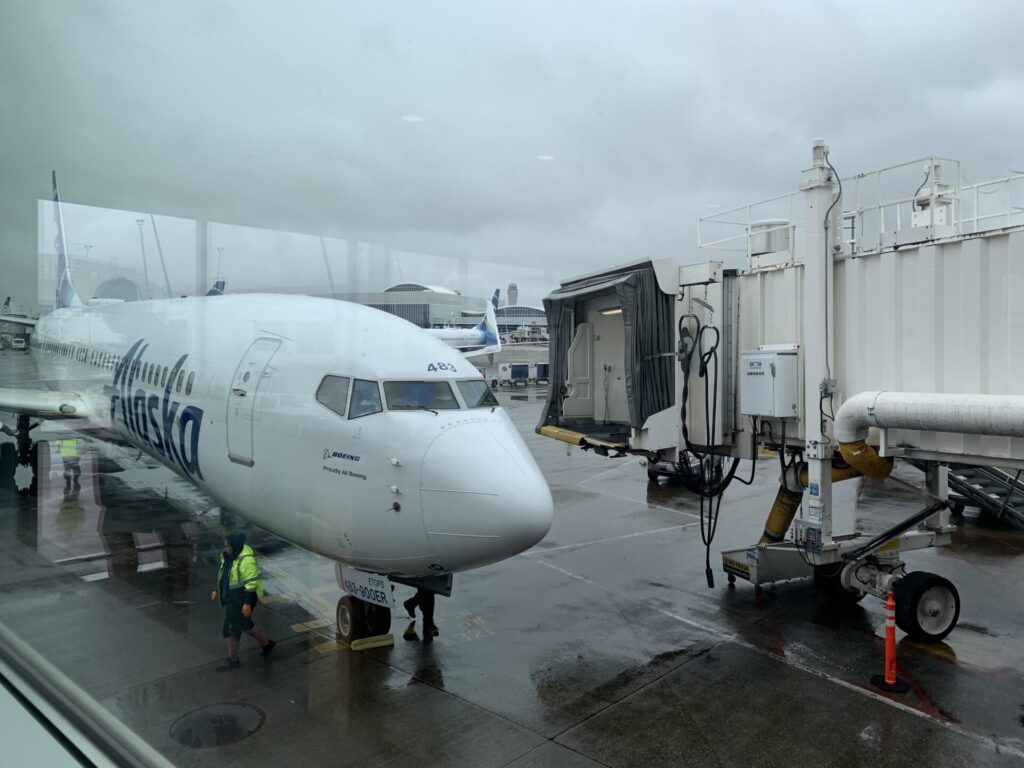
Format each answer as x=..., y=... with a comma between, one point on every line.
x=769, y=383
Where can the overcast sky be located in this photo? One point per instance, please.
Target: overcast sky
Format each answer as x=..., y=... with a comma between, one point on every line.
x=419, y=125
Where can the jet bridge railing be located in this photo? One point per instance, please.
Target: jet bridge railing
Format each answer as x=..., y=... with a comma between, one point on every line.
x=994, y=204
x=734, y=229
x=880, y=207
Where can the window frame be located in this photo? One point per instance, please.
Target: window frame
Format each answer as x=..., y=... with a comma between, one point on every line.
x=487, y=388
x=348, y=393
x=352, y=397
x=446, y=382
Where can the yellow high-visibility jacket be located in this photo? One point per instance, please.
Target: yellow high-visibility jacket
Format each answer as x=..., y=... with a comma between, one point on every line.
x=244, y=572
x=68, y=448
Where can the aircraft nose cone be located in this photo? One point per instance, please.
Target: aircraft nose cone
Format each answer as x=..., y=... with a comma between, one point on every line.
x=484, y=498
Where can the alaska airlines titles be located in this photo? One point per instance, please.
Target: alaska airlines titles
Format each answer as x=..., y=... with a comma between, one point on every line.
x=153, y=419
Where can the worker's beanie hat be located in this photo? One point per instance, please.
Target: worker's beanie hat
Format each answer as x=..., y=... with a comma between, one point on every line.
x=237, y=540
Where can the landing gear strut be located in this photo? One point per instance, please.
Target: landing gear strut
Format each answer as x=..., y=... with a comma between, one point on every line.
x=27, y=455
x=358, y=619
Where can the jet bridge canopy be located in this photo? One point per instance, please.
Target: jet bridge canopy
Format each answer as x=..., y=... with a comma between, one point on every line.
x=611, y=353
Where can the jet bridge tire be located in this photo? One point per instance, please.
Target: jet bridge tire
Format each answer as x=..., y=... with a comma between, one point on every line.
x=927, y=606
x=827, y=579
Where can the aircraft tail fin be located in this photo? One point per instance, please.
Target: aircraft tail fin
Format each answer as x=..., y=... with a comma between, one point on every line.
x=489, y=325
x=217, y=289
x=66, y=296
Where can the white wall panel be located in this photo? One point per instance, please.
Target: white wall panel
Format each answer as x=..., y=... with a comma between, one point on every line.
x=942, y=317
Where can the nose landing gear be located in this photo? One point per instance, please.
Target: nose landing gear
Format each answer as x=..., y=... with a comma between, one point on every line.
x=19, y=462
x=357, y=619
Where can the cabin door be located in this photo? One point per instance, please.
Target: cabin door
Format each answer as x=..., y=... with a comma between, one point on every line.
x=242, y=398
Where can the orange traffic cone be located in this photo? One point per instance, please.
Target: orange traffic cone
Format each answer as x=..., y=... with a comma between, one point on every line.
x=889, y=681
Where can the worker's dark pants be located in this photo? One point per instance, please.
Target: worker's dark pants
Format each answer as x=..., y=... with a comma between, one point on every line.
x=424, y=599
x=71, y=470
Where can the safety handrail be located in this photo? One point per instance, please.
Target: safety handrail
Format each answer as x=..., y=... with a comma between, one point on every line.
x=870, y=212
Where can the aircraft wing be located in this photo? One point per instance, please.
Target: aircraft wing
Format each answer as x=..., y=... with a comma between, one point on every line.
x=44, y=404
x=16, y=319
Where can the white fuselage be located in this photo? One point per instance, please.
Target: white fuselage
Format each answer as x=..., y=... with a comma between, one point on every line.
x=459, y=338
x=223, y=390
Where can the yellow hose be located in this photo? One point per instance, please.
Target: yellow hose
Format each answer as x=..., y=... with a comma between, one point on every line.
x=865, y=459
x=565, y=435
x=787, y=502
x=838, y=474
x=781, y=517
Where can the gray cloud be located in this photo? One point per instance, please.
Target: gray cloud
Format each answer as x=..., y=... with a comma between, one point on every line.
x=289, y=117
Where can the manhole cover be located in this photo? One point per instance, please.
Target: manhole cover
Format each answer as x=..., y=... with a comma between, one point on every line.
x=217, y=725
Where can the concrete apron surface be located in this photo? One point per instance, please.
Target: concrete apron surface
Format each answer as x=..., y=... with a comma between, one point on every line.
x=601, y=646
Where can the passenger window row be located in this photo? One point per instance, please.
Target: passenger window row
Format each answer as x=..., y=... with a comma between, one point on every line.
x=150, y=373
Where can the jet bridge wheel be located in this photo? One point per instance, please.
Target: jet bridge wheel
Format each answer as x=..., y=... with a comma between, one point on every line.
x=927, y=606
x=356, y=619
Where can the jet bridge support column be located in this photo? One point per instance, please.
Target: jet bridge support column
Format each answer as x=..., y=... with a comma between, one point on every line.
x=818, y=186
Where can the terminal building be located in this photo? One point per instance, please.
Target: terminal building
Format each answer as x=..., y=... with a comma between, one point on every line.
x=521, y=318
x=428, y=306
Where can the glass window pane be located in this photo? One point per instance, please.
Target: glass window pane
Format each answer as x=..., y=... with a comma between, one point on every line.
x=477, y=394
x=365, y=399
x=188, y=384
x=409, y=395
x=333, y=392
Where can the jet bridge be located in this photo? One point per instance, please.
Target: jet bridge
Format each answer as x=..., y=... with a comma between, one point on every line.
x=879, y=316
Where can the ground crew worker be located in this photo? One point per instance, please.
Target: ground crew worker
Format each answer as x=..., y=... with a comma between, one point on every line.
x=69, y=456
x=240, y=588
x=424, y=600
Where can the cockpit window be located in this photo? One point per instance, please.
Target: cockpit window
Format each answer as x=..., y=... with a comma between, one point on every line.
x=477, y=394
x=410, y=395
x=333, y=392
x=365, y=399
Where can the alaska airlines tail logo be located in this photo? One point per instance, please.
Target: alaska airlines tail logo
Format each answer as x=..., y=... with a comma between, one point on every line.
x=153, y=419
x=489, y=326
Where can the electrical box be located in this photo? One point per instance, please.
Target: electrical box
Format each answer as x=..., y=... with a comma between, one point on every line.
x=769, y=382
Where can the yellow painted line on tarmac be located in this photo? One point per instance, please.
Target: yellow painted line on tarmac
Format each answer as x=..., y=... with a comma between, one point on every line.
x=308, y=626
x=327, y=588
x=330, y=647
x=271, y=599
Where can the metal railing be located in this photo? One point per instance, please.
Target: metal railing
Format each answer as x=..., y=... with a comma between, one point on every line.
x=878, y=206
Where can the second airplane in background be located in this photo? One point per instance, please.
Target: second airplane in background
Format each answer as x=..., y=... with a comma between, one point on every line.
x=481, y=339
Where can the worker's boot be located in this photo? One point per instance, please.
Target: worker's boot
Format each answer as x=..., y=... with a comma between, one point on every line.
x=410, y=632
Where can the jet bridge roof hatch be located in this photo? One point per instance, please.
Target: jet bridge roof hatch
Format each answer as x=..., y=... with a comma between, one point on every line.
x=611, y=358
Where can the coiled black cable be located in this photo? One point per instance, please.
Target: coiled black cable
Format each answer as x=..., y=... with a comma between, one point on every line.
x=704, y=475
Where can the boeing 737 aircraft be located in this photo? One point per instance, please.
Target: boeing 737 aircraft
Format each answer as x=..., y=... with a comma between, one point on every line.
x=341, y=428
x=481, y=339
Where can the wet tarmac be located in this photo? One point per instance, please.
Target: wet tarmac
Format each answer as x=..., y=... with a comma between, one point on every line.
x=601, y=646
